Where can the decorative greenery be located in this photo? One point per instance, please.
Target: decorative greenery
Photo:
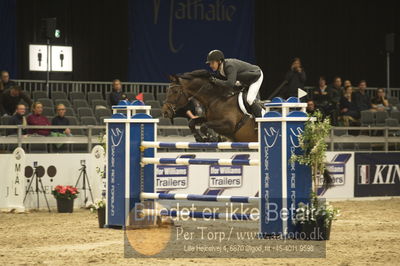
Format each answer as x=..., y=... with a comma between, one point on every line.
x=98, y=204
x=65, y=192
x=312, y=142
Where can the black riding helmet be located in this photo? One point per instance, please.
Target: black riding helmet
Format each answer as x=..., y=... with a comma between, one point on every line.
x=215, y=55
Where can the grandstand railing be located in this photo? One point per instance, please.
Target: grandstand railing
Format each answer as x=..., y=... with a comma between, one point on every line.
x=91, y=86
x=378, y=138
x=129, y=87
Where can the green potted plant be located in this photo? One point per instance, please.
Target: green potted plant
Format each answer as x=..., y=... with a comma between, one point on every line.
x=65, y=196
x=100, y=207
x=315, y=218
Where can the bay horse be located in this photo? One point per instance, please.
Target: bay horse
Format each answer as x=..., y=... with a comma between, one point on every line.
x=222, y=111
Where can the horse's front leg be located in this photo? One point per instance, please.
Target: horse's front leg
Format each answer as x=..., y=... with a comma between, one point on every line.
x=195, y=132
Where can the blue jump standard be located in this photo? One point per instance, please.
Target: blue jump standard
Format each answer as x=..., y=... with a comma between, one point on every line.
x=195, y=197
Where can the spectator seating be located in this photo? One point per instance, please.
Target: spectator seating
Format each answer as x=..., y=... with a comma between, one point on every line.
x=84, y=111
x=76, y=96
x=99, y=102
x=367, y=118
x=148, y=96
x=46, y=102
x=57, y=95
x=102, y=112
x=181, y=121
x=380, y=118
x=156, y=112
x=94, y=96
x=153, y=103
x=79, y=103
x=62, y=101
x=48, y=111
x=38, y=95
x=161, y=98
x=69, y=111
x=91, y=121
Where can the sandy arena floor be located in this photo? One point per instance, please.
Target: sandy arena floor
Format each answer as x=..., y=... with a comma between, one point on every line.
x=366, y=233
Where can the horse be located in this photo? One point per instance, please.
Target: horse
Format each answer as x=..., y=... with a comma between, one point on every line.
x=222, y=111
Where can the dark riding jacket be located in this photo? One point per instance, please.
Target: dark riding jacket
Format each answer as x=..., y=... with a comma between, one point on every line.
x=236, y=70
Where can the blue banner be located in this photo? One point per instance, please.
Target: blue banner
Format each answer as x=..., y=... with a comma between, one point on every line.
x=175, y=36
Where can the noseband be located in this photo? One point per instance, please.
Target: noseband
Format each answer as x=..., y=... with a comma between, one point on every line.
x=172, y=106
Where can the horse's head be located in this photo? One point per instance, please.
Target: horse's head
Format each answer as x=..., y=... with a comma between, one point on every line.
x=176, y=98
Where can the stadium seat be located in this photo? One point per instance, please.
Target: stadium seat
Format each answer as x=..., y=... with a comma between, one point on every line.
x=56, y=95
x=101, y=119
x=156, y=112
x=69, y=111
x=380, y=118
x=98, y=102
x=102, y=112
x=77, y=95
x=180, y=121
x=367, y=118
x=94, y=96
x=395, y=115
x=89, y=120
x=131, y=96
x=148, y=96
x=46, y=102
x=48, y=111
x=84, y=111
x=393, y=101
x=161, y=98
x=5, y=120
x=153, y=104
x=62, y=101
x=38, y=95
x=80, y=103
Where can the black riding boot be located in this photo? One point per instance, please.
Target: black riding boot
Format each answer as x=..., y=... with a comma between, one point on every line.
x=255, y=109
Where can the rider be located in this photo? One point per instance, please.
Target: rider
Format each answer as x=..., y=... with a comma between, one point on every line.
x=231, y=70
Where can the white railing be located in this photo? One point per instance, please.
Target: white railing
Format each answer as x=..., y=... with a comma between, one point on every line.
x=91, y=86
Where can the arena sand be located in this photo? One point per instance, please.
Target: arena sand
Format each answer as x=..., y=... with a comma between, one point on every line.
x=366, y=233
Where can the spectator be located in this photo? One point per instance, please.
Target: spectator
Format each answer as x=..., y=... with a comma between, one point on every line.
x=347, y=83
x=380, y=102
x=11, y=98
x=18, y=119
x=37, y=119
x=326, y=99
x=362, y=99
x=295, y=78
x=311, y=109
x=117, y=95
x=60, y=120
x=337, y=85
x=6, y=83
x=348, y=108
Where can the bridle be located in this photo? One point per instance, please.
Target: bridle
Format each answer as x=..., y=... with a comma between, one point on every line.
x=172, y=106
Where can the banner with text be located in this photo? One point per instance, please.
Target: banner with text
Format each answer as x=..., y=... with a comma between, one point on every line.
x=174, y=36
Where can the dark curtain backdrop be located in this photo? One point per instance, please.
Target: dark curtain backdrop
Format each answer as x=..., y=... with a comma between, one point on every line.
x=344, y=38
x=97, y=30
x=8, y=47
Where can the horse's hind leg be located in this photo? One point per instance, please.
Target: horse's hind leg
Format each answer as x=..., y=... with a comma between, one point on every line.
x=222, y=127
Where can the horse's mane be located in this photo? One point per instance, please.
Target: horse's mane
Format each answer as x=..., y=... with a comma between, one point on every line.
x=200, y=73
x=208, y=86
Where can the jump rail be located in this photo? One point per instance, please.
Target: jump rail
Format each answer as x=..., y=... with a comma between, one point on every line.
x=199, y=145
x=195, y=197
x=205, y=161
x=201, y=215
